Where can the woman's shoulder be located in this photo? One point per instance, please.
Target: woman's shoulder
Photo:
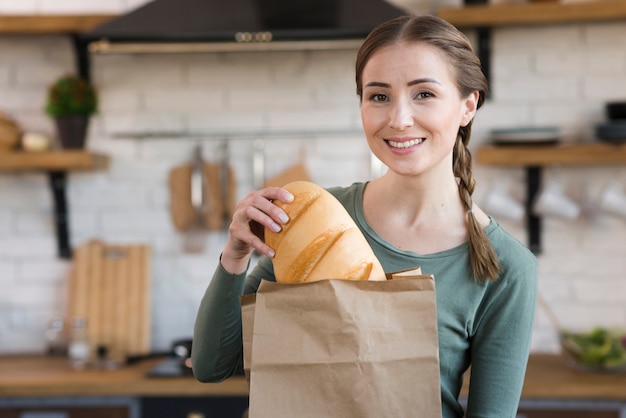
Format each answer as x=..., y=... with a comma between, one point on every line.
x=514, y=257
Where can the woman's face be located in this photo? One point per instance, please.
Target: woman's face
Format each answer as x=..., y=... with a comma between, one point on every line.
x=411, y=108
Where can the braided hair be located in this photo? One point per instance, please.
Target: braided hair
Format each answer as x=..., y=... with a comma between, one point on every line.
x=467, y=71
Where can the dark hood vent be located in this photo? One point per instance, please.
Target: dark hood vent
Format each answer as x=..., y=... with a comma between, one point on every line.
x=245, y=21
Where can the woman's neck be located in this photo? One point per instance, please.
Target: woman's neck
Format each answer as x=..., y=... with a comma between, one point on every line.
x=420, y=216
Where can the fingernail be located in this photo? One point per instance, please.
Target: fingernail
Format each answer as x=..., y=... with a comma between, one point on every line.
x=288, y=197
x=271, y=253
x=283, y=218
x=275, y=227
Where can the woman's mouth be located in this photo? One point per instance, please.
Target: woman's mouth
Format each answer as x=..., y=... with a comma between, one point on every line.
x=404, y=144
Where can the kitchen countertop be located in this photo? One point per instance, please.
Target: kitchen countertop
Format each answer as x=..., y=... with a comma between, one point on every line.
x=40, y=376
x=548, y=377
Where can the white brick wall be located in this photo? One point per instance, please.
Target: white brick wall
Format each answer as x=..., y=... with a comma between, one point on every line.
x=557, y=75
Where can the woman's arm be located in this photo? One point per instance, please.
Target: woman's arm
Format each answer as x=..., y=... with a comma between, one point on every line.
x=500, y=347
x=216, y=349
x=217, y=345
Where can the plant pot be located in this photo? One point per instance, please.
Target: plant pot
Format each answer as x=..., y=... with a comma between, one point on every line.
x=72, y=131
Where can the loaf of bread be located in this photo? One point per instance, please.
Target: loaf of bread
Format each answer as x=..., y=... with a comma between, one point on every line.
x=320, y=241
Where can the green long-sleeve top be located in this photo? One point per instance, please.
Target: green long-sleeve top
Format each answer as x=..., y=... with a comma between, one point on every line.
x=485, y=325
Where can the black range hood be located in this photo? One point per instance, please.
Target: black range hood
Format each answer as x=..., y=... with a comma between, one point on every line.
x=253, y=23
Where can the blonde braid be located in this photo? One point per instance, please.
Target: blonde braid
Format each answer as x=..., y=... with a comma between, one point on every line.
x=483, y=258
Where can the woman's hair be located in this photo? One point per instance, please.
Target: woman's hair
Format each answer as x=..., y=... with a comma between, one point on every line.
x=467, y=71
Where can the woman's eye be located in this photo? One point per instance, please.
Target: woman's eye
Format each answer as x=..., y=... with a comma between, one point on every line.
x=378, y=97
x=424, y=95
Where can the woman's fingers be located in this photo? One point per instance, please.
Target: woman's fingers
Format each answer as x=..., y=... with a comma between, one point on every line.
x=255, y=213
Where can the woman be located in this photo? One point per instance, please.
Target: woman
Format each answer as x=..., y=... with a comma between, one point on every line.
x=419, y=85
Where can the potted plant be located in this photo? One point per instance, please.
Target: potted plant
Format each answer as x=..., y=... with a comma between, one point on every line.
x=71, y=102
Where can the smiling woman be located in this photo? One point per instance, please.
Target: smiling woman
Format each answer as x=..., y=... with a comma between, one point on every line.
x=419, y=85
x=417, y=113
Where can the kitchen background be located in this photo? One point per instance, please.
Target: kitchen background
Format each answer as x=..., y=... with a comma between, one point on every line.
x=556, y=75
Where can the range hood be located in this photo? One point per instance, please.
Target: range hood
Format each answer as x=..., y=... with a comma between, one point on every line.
x=214, y=25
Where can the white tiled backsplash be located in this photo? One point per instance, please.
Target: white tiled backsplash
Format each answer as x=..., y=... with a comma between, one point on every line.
x=557, y=75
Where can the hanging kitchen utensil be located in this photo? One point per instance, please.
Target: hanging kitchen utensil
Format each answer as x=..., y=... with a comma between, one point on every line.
x=296, y=172
x=221, y=187
x=258, y=164
x=228, y=187
x=213, y=194
x=220, y=190
x=195, y=235
x=231, y=195
x=182, y=211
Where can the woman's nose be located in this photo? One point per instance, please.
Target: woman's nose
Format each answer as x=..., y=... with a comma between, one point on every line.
x=400, y=115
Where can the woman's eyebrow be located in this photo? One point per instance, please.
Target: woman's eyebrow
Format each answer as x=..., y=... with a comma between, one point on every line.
x=377, y=84
x=422, y=80
x=410, y=83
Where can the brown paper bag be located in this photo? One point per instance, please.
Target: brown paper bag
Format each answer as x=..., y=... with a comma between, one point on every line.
x=341, y=348
x=247, y=328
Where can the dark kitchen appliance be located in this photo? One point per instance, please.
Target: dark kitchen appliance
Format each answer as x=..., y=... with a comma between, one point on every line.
x=613, y=131
x=245, y=21
x=616, y=111
x=177, y=364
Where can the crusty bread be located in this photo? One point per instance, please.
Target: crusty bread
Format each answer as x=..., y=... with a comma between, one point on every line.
x=320, y=241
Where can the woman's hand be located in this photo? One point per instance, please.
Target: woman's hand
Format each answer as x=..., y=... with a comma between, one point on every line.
x=245, y=234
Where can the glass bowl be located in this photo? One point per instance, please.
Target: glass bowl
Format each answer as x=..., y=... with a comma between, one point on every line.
x=599, y=350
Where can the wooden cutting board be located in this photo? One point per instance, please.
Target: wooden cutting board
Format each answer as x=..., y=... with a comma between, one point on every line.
x=110, y=287
x=182, y=211
x=297, y=172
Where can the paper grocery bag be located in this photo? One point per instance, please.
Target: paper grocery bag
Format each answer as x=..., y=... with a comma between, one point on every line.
x=342, y=348
x=247, y=327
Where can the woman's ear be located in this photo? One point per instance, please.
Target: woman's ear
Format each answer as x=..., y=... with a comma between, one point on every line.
x=470, y=105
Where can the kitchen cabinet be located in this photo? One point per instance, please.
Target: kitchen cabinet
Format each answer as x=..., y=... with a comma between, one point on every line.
x=40, y=384
x=534, y=157
x=551, y=389
x=194, y=407
x=127, y=407
x=56, y=164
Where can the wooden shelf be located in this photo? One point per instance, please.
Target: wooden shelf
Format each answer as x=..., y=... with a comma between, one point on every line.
x=534, y=13
x=50, y=24
x=69, y=160
x=55, y=164
x=539, y=155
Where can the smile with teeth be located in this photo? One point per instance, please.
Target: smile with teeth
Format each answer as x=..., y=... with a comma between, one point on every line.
x=405, y=144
